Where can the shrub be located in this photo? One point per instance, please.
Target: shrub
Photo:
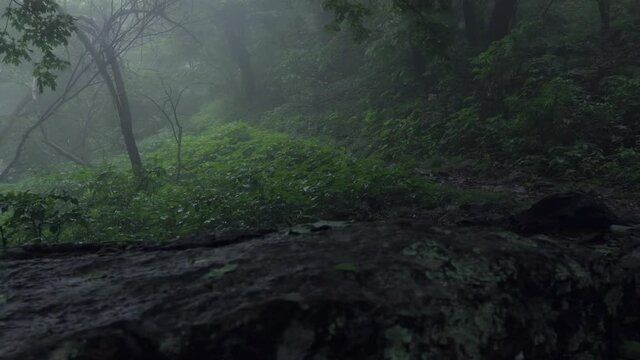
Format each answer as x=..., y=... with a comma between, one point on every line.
x=32, y=217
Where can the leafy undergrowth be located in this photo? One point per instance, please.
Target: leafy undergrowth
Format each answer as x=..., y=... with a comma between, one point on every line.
x=540, y=104
x=568, y=118
x=232, y=176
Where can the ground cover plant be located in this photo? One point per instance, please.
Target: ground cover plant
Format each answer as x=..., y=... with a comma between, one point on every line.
x=233, y=176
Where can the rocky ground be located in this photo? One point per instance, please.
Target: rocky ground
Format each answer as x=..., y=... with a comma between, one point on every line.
x=453, y=284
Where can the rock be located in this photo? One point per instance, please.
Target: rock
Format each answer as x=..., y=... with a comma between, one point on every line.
x=572, y=212
x=620, y=230
x=382, y=290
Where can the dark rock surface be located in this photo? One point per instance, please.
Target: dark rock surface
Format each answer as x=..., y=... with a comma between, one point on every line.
x=405, y=289
x=569, y=212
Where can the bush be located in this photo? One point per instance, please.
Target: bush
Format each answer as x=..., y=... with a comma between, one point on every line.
x=31, y=217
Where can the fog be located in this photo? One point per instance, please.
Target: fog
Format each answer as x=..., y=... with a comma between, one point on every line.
x=319, y=179
x=276, y=112
x=248, y=58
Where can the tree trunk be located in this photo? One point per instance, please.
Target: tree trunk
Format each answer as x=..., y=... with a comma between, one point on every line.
x=117, y=89
x=501, y=19
x=243, y=60
x=124, y=113
x=604, y=7
x=418, y=62
x=471, y=25
x=233, y=23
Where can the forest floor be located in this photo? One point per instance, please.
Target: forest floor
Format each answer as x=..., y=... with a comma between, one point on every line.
x=458, y=282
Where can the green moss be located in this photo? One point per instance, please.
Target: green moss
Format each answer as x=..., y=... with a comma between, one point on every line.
x=429, y=254
x=478, y=271
x=466, y=329
x=217, y=273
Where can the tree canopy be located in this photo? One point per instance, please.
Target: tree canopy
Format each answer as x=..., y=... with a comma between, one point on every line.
x=32, y=32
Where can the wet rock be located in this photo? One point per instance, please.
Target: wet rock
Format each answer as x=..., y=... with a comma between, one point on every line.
x=572, y=212
x=386, y=290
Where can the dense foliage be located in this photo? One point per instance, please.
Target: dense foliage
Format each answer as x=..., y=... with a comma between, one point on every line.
x=35, y=27
x=233, y=176
x=368, y=93
x=30, y=217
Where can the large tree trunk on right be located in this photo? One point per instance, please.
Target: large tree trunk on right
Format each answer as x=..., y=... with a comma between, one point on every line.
x=471, y=24
x=243, y=60
x=604, y=7
x=233, y=21
x=419, y=64
x=501, y=19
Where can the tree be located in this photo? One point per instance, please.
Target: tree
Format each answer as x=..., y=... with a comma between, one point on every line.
x=426, y=20
x=35, y=27
x=501, y=21
x=232, y=19
x=107, y=37
x=604, y=8
x=428, y=29
x=76, y=80
x=169, y=110
x=351, y=12
x=472, y=25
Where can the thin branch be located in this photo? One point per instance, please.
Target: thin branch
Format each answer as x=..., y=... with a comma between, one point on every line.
x=546, y=9
x=46, y=115
x=60, y=150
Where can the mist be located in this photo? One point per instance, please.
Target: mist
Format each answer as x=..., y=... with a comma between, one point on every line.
x=319, y=179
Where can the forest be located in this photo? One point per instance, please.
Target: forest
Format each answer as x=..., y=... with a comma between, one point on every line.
x=320, y=179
